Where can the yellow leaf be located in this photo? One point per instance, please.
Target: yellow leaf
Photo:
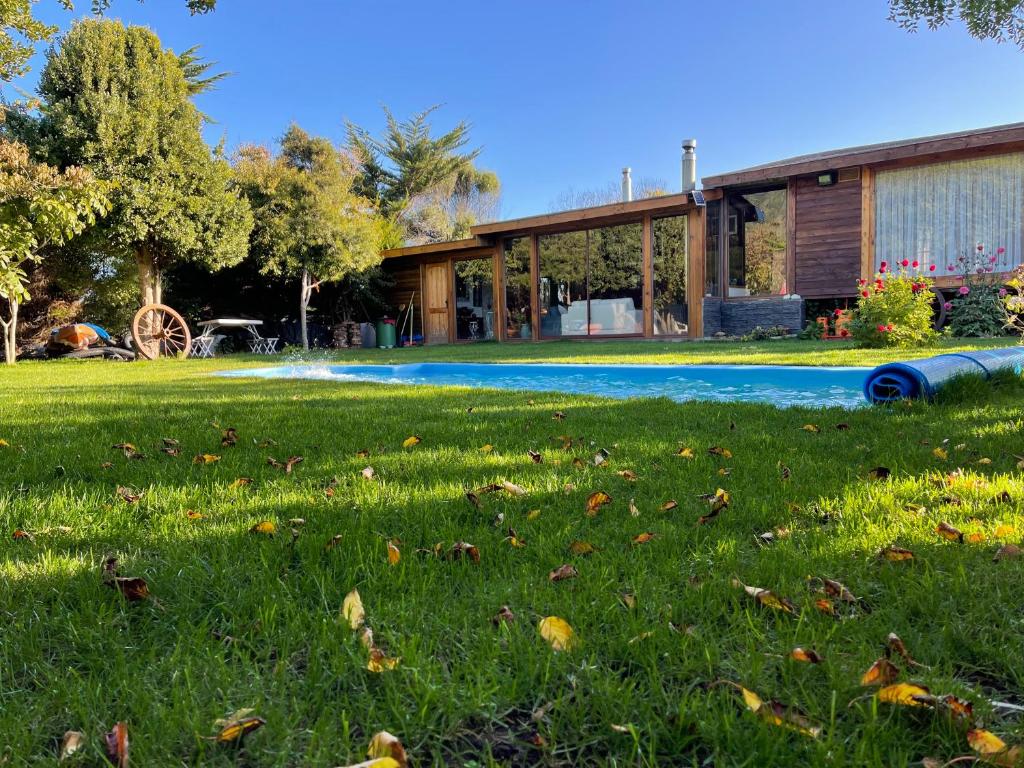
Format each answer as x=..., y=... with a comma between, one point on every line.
x=1002, y=531
x=940, y=453
x=595, y=501
x=905, y=694
x=385, y=745
x=643, y=538
x=206, y=458
x=264, y=527
x=949, y=533
x=234, y=731
x=896, y=554
x=380, y=662
x=4, y=443
x=412, y=440
x=533, y=514
x=394, y=555
x=191, y=514
x=486, y=448
x=352, y=609
x=813, y=428
x=806, y=655
x=558, y=633
x=685, y=452
x=582, y=548
x=716, y=450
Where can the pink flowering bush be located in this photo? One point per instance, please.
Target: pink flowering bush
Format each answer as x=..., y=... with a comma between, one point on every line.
x=894, y=309
x=977, y=307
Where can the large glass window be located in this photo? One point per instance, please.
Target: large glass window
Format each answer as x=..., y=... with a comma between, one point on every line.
x=712, y=239
x=935, y=213
x=756, y=229
x=517, y=288
x=669, y=252
x=616, y=280
x=591, y=282
x=474, y=300
x=563, y=284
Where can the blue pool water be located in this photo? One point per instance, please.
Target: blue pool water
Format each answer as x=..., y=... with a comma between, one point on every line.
x=781, y=385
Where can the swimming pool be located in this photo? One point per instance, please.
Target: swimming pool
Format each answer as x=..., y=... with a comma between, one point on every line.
x=782, y=385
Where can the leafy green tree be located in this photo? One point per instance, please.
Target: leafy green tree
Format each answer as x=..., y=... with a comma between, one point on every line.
x=428, y=184
x=115, y=102
x=20, y=31
x=310, y=224
x=985, y=19
x=40, y=207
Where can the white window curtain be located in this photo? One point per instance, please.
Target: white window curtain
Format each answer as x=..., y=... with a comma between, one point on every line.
x=935, y=213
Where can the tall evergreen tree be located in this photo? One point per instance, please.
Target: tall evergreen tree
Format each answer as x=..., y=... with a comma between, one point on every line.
x=428, y=184
x=114, y=101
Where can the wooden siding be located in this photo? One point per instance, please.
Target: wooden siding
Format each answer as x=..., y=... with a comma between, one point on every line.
x=826, y=238
x=406, y=275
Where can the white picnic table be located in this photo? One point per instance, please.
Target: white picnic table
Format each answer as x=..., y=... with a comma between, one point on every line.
x=205, y=344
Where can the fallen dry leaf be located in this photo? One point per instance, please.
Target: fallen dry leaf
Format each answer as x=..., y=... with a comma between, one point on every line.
x=643, y=538
x=806, y=655
x=71, y=743
x=896, y=554
x=535, y=457
x=563, y=572
x=128, y=495
x=558, y=633
x=462, y=549
x=352, y=610
x=503, y=616
x=229, y=438
x=380, y=661
x=905, y=694
x=582, y=548
x=368, y=473
x=994, y=750
x=394, y=555
x=385, y=745
x=411, y=441
x=949, y=533
x=515, y=490
x=236, y=728
x=812, y=428
x=287, y=465
x=717, y=450
x=719, y=500
x=878, y=473
x=685, y=452
x=595, y=501
x=767, y=598
x=1007, y=552
x=776, y=712
x=264, y=528
x=116, y=743
x=882, y=672
x=206, y=458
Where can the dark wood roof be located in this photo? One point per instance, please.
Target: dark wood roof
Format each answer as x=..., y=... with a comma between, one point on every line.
x=871, y=154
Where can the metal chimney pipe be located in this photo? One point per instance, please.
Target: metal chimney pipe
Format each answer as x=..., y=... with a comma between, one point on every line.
x=689, y=165
x=627, y=185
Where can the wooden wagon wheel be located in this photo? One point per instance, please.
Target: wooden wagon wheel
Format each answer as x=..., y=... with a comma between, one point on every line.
x=159, y=331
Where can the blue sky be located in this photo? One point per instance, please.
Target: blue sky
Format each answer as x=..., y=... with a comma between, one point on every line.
x=563, y=93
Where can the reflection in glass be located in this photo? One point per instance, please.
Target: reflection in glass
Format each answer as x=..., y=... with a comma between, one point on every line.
x=517, y=288
x=712, y=240
x=669, y=251
x=474, y=300
x=563, y=285
x=757, y=243
x=616, y=287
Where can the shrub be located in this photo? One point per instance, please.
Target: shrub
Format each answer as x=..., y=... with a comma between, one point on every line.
x=763, y=334
x=1013, y=301
x=894, y=310
x=977, y=307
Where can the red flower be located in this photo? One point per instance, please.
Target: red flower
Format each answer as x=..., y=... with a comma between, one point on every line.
x=864, y=294
x=881, y=329
x=882, y=268
x=905, y=262
x=915, y=264
x=838, y=312
x=884, y=264
x=931, y=268
x=889, y=327
x=1000, y=250
x=980, y=247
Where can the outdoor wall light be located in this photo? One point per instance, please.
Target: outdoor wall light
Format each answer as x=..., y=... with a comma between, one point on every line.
x=827, y=179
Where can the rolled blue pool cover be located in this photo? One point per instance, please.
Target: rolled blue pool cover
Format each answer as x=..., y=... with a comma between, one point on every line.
x=924, y=378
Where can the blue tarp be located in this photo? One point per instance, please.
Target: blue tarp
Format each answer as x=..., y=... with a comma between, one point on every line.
x=923, y=378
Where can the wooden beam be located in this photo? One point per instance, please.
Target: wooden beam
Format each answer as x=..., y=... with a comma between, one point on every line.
x=867, y=223
x=534, y=288
x=695, y=258
x=791, y=235
x=588, y=217
x=647, y=275
x=435, y=248
x=498, y=290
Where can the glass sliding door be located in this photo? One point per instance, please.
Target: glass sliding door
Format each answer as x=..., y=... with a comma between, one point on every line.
x=474, y=300
x=591, y=282
x=563, y=285
x=669, y=246
x=517, y=288
x=713, y=238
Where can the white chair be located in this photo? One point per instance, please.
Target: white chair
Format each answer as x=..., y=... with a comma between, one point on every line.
x=263, y=345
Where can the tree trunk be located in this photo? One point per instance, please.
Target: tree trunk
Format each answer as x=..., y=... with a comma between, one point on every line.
x=10, y=328
x=307, y=292
x=150, y=280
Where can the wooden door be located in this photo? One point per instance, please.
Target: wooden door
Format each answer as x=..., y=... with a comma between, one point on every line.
x=438, y=287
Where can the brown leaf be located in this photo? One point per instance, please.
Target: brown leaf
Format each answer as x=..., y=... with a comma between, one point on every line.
x=1007, y=552
x=563, y=572
x=558, y=416
x=627, y=474
x=285, y=465
x=504, y=616
x=896, y=554
x=893, y=644
x=719, y=501
x=368, y=473
x=837, y=590
x=669, y=505
x=205, y=458
x=363, y=453
x=767, y=598
x=461, y=549
x=129, y=495
x=116, y=742
x=20, y=535
x=515, y=490
x=826, y=606
x=384, y=745
x=582, y=548
x=473, y=499
x=71, y=743
x=806, y=655
x=335, y=541
x=134, y=588
x=595, y=501
x=878, y=473
x=229, y=438
x=882, y=672
x=717, y=450
x=535, y=457
x=949, y=533
x=130, y=451
x=643, y=538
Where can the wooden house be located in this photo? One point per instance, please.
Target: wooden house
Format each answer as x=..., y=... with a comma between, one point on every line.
x=751, y=249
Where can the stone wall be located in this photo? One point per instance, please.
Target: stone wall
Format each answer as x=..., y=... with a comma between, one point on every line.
x=735, y=318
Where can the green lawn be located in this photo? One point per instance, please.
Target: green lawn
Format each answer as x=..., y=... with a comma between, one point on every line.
x=244, y=620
